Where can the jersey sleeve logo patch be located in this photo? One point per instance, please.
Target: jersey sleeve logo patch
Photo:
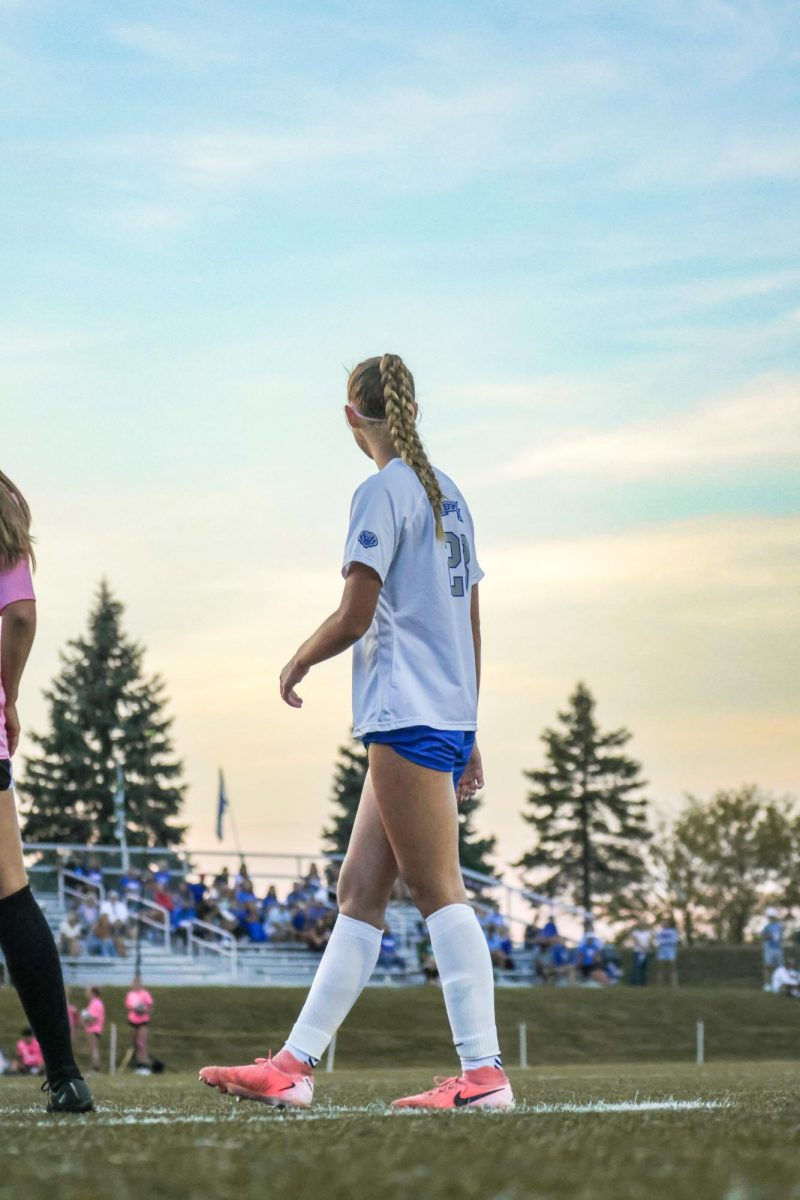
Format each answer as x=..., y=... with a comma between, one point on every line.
x=449, y=506
x=367, y=539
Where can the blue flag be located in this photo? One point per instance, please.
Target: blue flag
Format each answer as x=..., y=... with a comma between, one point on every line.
x=222, y=805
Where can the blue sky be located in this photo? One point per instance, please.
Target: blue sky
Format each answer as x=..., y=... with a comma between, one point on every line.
x=578, y=223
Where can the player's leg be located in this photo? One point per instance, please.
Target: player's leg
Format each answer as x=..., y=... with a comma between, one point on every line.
x=33, y=964
x=365, y=884
x=420, y=816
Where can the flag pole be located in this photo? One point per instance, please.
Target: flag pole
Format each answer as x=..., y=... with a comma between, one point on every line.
x=224, y=805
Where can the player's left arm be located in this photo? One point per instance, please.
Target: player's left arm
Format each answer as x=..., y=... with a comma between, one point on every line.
x=341, y=630
x=472, y=777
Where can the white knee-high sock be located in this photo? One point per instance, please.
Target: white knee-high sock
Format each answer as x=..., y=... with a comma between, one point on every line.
x=343, y=972
x=465, y=969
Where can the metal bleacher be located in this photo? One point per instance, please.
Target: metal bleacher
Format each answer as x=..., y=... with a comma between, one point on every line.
x=205, y=954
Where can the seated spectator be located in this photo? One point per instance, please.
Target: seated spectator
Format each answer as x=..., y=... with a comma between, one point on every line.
x=162, y=875
x=270, y=900
x=318, y=935
x=222, y=881
x=548, y=935
x=94, y=873
x=388, y=955
x=530, y=939
x=117, y=912
x=589, y=957
x=558, y=964
x=298, y=922
x=786, y=982
x=69, y=934
x=28, y=1059
x=253, y=925
x=313, y=879
x=162, y=897
x=427, y=963
x=243, y=878
x=182, y=915
x=88, y=911
x=130, y=884
x=198, y=890
x=499, y=948
x=245, y=894
x=297, y=895
x=278, y=922
x=101, y=939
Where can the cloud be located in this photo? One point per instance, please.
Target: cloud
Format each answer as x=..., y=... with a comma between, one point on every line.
x=759, y=424
x=720, y=572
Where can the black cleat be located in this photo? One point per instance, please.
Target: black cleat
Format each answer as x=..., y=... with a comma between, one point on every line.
x=71, y=1096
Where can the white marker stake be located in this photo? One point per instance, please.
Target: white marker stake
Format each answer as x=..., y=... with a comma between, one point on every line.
x=331, y=1055
x=523, y=1046
x=701, y=1043
x=112, y=1051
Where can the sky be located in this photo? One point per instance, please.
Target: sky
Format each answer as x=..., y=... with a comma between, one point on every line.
x=578, y=225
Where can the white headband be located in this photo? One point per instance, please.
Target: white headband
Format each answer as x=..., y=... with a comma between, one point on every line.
x=361, y=416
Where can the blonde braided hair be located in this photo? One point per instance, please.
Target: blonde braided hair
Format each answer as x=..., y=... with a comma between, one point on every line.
x=15, y=525
x=382, y=389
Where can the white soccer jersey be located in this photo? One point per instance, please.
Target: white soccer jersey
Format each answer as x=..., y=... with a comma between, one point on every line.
x=415, y=665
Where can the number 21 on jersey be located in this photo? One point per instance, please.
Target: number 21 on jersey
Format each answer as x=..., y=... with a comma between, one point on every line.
x=458, y=555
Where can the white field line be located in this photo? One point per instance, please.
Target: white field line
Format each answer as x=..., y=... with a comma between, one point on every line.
x=114, y=1117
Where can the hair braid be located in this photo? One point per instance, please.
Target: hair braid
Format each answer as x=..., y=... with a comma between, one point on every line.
x=15, y=524
x=398, y=395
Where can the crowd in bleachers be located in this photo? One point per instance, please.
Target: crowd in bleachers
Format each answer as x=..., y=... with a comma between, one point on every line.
x=226, y=902
x=233, y=904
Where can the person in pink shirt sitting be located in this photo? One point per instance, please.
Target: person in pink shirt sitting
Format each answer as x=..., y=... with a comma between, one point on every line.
x=94, y=1022
x=139, y=1006
x=29, y=1060
x=26, y=940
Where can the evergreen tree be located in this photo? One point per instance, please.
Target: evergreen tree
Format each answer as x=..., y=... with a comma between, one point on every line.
x=103, y=711
x=473, y=850
x=591, y=828
x=348, y=781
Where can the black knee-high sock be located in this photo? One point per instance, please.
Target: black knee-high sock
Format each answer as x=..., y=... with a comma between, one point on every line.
x=35, y=968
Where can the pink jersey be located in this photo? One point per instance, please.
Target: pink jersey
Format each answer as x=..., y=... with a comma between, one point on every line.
x=30, y=1054
x=137, y=998
x=15, y=584
x=95, y=1019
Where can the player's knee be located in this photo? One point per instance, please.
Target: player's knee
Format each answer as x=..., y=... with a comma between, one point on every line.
x=429, y=895
x=359, y=901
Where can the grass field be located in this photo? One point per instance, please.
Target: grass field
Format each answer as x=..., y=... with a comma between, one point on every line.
x=615, y=1107
x=721, y=1132
x=408, y=1026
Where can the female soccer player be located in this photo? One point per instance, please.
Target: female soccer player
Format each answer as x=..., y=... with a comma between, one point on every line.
x=410, y=611
x=25, y=938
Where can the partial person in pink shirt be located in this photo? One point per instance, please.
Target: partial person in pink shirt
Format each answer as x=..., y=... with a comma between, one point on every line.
x=94, y=1023
x=29, y=1060
x=26, y=940
x=139, y=1006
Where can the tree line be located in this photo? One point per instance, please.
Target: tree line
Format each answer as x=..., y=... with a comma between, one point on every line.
x=593, y=838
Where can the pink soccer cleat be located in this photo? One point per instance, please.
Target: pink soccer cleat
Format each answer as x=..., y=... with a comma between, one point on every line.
x=283, y=1082
x=487, y=1087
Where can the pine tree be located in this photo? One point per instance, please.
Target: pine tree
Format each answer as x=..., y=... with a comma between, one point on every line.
x=473, y=850
x=348, y=781
x=591, y=828
x=103, y=711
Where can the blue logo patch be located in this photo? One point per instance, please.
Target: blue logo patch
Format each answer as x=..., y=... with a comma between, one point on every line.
x=449, y=506
x=367, y=539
